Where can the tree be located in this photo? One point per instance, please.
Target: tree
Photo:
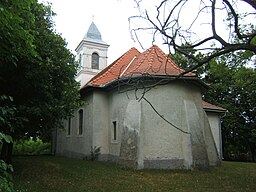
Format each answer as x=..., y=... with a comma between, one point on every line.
x=36, y=70
x=232, y=83
x=233, y=86
x=180, y=31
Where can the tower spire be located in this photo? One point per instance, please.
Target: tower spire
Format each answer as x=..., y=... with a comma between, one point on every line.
x=91, y=54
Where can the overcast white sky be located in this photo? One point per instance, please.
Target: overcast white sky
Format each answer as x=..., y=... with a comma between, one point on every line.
x=110, y=16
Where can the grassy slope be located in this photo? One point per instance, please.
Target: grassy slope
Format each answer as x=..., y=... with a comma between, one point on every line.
x=46, y=173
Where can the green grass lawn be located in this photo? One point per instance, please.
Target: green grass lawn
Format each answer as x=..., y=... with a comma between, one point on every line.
x=48, y=173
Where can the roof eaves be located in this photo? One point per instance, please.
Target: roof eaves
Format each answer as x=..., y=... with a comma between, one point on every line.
x=215, y=110
x=205, y=86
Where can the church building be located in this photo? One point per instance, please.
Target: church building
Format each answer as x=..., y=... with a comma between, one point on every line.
x=140, y=112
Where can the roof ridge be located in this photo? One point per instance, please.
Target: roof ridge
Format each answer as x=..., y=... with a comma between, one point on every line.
x=138, y=64
x=128, y=65
x=168, y=58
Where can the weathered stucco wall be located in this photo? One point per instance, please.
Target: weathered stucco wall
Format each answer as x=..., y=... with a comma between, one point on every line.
x=181, y=105
x=75, y=145
x=143, y=139
x=118, y=103
x=100, y=121
x=162, y=143
x=86, y=49
x=215, y=125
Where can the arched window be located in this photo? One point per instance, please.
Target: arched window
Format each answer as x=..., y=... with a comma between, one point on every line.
x=80, y=121
x=95, y=61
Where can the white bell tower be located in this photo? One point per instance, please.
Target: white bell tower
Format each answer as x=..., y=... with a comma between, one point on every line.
x=91, y=55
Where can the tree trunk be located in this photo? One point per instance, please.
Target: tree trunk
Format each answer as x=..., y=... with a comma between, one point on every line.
x=6, y=152
x=251, y=2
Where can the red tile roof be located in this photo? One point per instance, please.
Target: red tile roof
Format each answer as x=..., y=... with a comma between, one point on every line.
x=114, y=71
x=153, y=62
x=211, y=107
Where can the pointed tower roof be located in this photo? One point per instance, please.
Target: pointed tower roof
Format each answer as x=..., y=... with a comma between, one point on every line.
x=92, y=37
x=93, y=33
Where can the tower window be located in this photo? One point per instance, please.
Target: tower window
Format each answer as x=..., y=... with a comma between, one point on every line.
x=95, y=61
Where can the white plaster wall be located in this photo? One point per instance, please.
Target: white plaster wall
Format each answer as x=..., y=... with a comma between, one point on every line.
x=214, y=121
x=101, y=121
x=180, y=103
x=87, y=49
x=75, y=145
x=161, y=140
x=117, y=107
x=84, y=76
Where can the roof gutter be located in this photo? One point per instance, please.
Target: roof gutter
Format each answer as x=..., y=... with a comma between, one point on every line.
x=215, y=110
x=203, y=85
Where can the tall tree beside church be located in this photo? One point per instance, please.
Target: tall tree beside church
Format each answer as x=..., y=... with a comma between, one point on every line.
x=36, y=71
x=233, y=86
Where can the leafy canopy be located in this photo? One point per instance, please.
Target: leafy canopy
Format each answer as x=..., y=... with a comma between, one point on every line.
x=36, y=70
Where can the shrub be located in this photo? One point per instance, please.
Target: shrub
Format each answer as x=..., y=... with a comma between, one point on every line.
x=6, y=184
x=31, y=147
x=95, y=153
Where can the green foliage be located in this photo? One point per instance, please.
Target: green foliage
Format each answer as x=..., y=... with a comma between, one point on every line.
x=31, y=147
x=6, y=184
x=188, y=63
x=8, y=115
x=233, y=86
x=36, y=70
x=6, y=138
x=16, y=21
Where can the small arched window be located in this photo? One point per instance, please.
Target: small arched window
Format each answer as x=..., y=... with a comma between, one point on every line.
x=95, y=61
x=80, y=121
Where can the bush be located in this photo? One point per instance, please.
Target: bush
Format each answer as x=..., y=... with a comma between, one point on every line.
x=6, y=184
x=95, y=153
x=31, y=147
